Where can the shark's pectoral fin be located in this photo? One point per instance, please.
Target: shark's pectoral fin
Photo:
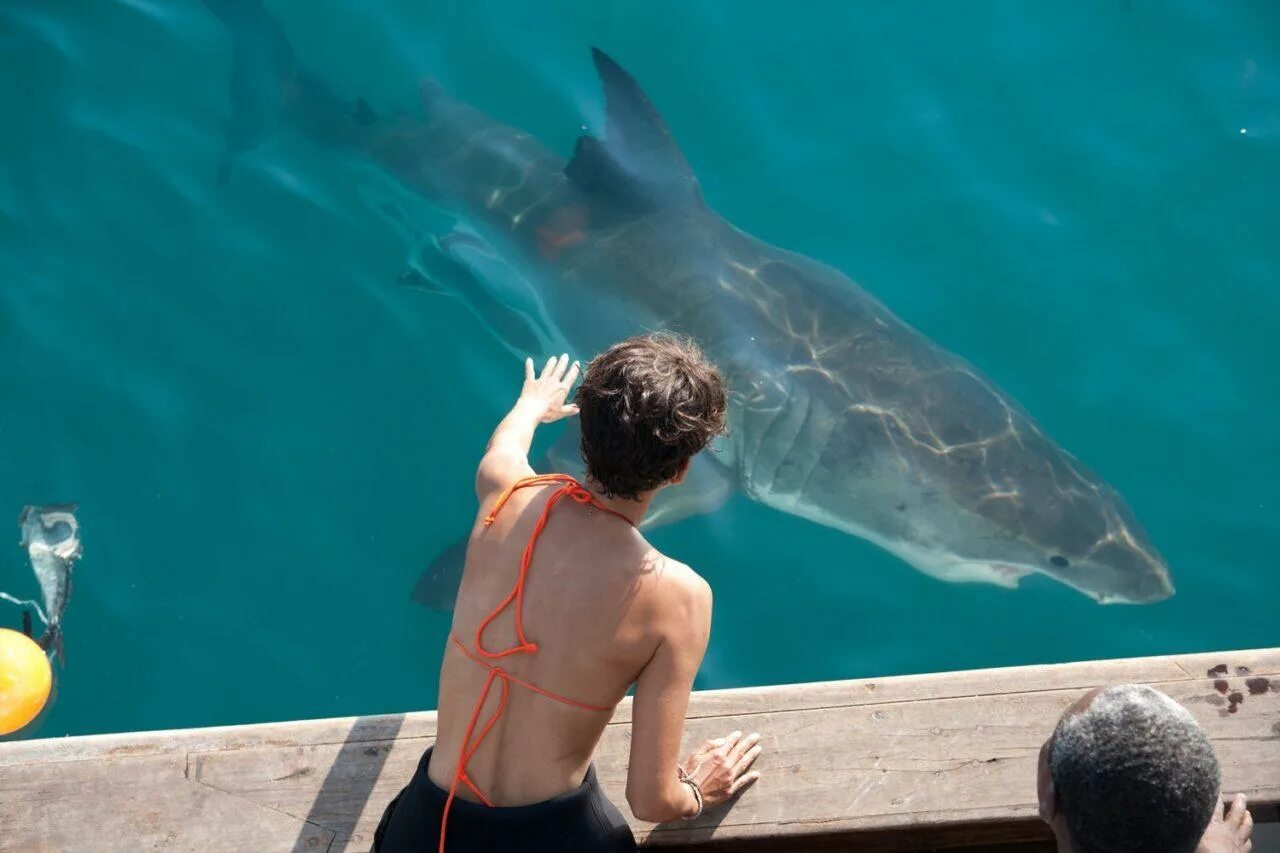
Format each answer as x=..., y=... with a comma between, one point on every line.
x=461, y=264
x=437, y=587
x=637, y=165
x=435, y=269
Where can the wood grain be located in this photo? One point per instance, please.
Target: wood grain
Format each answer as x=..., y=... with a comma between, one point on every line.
x=884, y=763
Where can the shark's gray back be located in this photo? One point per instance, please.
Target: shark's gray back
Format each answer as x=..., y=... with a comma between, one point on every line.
x=829, y=388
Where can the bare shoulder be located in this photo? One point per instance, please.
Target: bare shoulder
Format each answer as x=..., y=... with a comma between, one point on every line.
x=679, y=586
x=499, y=469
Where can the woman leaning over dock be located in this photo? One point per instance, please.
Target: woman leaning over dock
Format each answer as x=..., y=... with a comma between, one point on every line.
x=564, y=606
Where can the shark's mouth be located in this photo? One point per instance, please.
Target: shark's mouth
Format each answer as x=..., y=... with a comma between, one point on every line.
x=951, y=567
x=1006, y=575
x=1007, y=571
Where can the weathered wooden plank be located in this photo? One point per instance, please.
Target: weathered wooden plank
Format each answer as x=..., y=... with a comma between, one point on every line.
x=299, y=733
x=135, y=803
x=940, y=757
x=982, y=682
x=705, y=704
x=879, y=761
x=343, y=788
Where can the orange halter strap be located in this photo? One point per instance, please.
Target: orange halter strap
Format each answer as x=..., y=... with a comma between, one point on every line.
x=572, y=489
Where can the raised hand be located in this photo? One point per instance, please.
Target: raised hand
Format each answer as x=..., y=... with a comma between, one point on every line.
x=545, y=393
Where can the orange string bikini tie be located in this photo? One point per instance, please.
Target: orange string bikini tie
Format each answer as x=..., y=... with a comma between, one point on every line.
x=573, y=490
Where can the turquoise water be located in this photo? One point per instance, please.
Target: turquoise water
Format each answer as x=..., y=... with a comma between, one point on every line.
x=269, y=437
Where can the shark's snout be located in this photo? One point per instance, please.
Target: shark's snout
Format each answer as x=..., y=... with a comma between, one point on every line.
x=1122, y=570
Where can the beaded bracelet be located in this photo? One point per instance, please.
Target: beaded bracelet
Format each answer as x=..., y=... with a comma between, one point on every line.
x=693, y=786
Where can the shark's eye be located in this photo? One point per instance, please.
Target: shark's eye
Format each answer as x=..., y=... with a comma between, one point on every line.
x=1059, y=561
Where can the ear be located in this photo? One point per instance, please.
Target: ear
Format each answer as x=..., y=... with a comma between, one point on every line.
x=1047, y=796
x=682, y=473
x=1050, y=812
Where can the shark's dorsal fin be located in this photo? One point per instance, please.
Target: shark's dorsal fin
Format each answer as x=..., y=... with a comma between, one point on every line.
x=638, y=163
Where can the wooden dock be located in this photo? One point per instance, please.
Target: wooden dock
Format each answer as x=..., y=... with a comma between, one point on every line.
x=893, y=763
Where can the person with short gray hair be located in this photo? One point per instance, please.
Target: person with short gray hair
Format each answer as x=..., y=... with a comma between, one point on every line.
x=1129, y=769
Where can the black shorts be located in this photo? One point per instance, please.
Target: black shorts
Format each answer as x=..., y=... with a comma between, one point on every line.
x=582, y=821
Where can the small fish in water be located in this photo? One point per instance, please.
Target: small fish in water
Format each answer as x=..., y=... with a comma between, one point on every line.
x=51, y=535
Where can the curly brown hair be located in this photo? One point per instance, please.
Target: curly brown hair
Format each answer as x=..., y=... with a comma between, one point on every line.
x=648, y=405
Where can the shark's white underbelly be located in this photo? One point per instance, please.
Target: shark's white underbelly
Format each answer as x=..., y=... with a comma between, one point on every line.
x=911, y=535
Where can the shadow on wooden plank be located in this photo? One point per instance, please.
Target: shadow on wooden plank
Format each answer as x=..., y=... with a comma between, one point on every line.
x=351, y=778
x=705, y=830
x=998, y=837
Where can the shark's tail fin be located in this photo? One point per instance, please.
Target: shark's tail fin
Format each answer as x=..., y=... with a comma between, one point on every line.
x=263, y=64
x=52, y=640
x=266, y=85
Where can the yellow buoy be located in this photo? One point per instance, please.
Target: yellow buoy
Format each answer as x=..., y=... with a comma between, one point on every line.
x=25, y=680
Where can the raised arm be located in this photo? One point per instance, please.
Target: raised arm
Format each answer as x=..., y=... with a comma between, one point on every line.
x=542, y=400
x=719, y=769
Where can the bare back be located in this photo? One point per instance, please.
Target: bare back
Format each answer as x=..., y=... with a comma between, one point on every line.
x=591, y=603
x=547, y=639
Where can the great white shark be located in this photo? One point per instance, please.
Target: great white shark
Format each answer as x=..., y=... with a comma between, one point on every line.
x=839, y=412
